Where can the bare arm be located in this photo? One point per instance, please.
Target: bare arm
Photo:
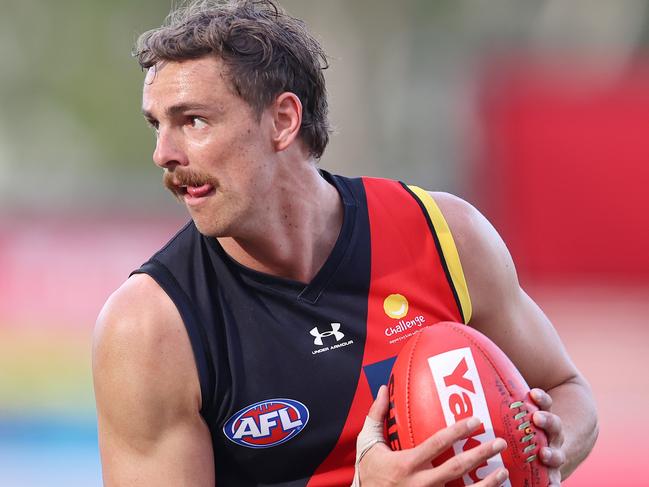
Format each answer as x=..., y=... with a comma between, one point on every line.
x=147, y=392
x=505, y=313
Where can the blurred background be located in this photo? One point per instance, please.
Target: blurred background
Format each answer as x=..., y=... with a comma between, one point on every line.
x=535, y=111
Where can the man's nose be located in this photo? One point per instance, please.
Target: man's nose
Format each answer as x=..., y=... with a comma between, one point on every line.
x=168, y=151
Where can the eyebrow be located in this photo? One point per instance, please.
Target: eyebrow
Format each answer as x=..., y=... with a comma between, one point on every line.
x=176, y=110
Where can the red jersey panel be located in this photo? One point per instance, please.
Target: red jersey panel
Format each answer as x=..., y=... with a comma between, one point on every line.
x=410, y=288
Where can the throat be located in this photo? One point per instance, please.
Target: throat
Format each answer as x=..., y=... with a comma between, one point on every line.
x=300, y=264
x=297, y=233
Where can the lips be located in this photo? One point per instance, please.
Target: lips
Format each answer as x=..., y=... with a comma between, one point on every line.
x=194, y=196
x=199, y=191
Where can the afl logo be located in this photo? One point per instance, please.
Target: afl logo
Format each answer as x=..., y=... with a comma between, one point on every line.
x=267, y=423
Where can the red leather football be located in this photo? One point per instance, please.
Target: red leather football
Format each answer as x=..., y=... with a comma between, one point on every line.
x=449, y=372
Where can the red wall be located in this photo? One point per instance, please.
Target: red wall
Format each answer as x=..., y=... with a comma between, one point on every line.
x=565, y=173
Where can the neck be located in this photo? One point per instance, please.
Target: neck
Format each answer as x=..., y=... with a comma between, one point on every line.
x=297, y=228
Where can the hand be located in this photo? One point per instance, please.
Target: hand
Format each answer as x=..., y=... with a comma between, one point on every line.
x=379, y=466
x=551, y=456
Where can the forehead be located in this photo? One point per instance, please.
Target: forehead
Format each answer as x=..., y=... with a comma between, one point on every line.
x=192, y=81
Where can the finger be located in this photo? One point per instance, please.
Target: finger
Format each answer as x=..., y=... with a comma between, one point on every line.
x=379, y=408
x=463, y=463
x=541, y=398
x=494, y=478
x=442, y=440
x=554, y=478
x=457, y=466
x=551, y=424
x=552, y=457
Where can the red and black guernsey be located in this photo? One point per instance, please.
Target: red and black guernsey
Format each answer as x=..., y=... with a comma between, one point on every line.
x=288, y=371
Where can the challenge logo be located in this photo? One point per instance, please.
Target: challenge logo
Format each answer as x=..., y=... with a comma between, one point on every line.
x=395, y=306
x=267, y=423
x=461, y=395
x=405, y=325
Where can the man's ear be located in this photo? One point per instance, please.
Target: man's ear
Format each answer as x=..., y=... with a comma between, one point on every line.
x=287, y=120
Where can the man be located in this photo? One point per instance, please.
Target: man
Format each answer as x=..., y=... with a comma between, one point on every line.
x=249, y=349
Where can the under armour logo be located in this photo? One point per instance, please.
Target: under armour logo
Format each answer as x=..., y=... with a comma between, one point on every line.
x=339, y=335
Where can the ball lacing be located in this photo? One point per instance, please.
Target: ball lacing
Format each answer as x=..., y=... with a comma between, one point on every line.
x=526, y=427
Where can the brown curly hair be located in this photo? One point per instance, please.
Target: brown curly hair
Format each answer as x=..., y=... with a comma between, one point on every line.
x=266, y=52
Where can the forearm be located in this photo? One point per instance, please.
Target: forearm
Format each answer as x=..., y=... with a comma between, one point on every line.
x=573, y=402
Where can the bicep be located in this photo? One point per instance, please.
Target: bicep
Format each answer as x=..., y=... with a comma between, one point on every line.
x=181, y=454
x=502, y=310
x=147, y=393
x=526, y=335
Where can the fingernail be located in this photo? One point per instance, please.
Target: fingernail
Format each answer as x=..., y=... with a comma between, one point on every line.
x=499, y=445
x=502, y=475
x=473, y=423
x=540, y=420
x=546, y=454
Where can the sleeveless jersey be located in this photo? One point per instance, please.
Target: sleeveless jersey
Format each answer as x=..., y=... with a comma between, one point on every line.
x=288, y=371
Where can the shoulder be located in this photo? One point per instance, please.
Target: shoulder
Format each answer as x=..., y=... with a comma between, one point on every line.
x=136, y=299
x=139, y=313
x=142, y=360
x=487, y=264
x=474, y=235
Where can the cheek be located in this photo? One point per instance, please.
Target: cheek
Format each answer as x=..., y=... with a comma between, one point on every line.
x=209, y=141
x=229, y=143
x=250, y=153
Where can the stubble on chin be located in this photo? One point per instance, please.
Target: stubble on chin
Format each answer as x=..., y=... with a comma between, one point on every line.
x=210, y=225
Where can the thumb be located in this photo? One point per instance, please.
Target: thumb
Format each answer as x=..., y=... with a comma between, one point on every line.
x=372, y=432
x=379, y=409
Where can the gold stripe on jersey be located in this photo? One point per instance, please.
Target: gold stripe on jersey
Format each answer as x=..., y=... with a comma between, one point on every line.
x=449, y=249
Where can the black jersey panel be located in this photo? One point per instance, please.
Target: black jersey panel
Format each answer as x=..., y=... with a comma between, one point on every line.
x=287, y=347
x=273, y=343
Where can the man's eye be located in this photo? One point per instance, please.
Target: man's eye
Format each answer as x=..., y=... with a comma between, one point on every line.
x=197, y=122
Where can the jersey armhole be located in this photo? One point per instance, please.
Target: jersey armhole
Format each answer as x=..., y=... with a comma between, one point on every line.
x=195, y=331
x=448, y=249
